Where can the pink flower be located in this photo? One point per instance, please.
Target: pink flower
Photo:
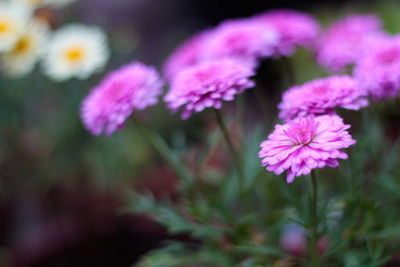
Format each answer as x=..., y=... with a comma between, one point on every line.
x=132, y=87
x=293, y=240
x=345, y=41
x=185, y=55
x=304, y=144
x=321, y=96
x=208, y=84
x=294, y=28
x=245, y=39
x=379, y=70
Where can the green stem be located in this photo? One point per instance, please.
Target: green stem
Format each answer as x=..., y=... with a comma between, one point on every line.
x=289, y=70
x=314, y=227
x=232, y=149
x=241, y=113
x=164, y=150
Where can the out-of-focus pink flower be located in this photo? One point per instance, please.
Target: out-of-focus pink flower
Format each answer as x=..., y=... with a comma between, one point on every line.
x=346, y=41
x=244, y=39
x=133, y=87
x=185, y=55
x=379, y=70
x=304, y=144
x=207, y=84
x=321, y=96
x=294, y=28
x=293, y=240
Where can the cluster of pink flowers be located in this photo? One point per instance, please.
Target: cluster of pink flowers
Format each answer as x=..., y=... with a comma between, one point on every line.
x=217, y=64
x=247, y=40
x=269, y=34
x=359, y=40
x=313, y=135
x=345, y=42
x=379, y=70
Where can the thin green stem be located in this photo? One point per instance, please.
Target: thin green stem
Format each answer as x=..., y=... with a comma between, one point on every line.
x=164, y=150
x=241, y=114
x=314, y=227
x=289, y=70
x=232, y=149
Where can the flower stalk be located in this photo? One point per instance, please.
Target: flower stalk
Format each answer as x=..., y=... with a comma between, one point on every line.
x=234, y=152
x=164, y=150
x=314, y=227
x=289, y=70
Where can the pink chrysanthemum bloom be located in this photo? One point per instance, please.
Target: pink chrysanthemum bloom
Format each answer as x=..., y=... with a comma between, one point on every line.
x=304, y=144
x=379, y=70
x=322, y=96
x=185, y=55
x=132, y=87
x=208, y=84
x=294, y=28
x=244, y=39
x=345, y=41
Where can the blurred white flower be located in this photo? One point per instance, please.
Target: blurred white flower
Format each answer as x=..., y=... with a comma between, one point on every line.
x=33, y=3
x=76, y=51
x=40, y=3
x=21, y=59
x=13, y=21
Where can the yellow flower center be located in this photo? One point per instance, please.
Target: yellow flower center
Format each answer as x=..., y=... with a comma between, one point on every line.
x=5, y=26
x=22, y=45
x=74, y=54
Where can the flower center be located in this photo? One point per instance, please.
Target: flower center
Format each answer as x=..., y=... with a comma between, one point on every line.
x=235, y=40
x=22, y=45
x=74, y=54
x=5, y=26
x=319, y=89
x=117, y=91
x=204, y=75
x=301, y=131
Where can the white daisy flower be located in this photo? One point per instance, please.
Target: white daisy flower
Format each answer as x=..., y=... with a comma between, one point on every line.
x=21, y=59
x=76, y=51
x=13, y=21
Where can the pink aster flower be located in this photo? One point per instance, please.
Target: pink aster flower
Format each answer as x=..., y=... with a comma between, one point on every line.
x=322, y=96
x=345, y=41
x=294, y=28
x=304, y=144
x=208, y=84
x=132, y=87
x=242, y=38
x=185, y=55
x=379, y=70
